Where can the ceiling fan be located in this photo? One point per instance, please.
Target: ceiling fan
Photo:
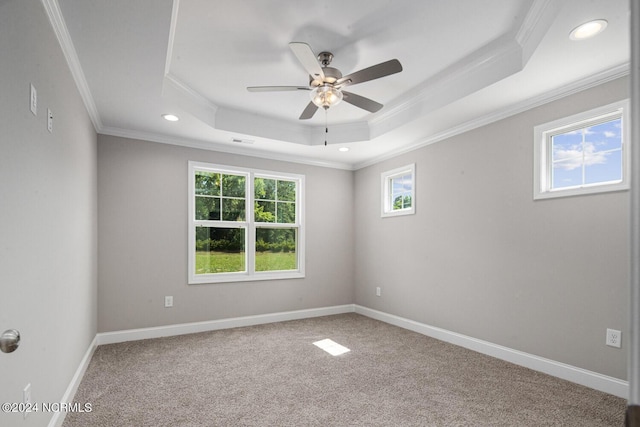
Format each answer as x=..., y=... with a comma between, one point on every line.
x=326, y=83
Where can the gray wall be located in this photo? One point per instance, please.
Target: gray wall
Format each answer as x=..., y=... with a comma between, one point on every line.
x=479, y=257
x=142, y=188
x=483, y=259
x=48, y=208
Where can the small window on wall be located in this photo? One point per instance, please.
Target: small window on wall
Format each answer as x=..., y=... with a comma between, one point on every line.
x=244, y=224
x=398, y=191
x=583, y=154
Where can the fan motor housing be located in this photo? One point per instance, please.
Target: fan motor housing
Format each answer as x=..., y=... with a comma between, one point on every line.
x=331, y=75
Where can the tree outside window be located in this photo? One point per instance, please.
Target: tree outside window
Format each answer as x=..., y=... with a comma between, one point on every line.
x=230, y=243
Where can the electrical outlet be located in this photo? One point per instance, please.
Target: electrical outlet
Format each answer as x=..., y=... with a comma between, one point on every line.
x=378, y=291
x=168, y=301
x=26, y=399
x=614, y=338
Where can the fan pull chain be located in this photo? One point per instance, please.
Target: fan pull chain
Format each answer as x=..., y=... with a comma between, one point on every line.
x=326, y=125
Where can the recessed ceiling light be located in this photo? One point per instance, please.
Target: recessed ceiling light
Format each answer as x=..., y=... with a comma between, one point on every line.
x=170, y=117
x=343, y=149
x=588, y=29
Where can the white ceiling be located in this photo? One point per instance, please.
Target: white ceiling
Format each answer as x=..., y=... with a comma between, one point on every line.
x=465, y=63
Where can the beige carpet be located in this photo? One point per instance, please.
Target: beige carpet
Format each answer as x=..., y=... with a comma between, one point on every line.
x=273, y=375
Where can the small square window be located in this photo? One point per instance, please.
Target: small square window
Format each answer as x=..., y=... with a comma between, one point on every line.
x=583, y=154
x=398, y=191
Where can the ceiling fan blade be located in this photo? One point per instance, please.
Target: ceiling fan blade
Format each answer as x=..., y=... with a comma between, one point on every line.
x=374, y=72
x=309, y=111
x=361, y=102
x=308, y=59
x=275, y=88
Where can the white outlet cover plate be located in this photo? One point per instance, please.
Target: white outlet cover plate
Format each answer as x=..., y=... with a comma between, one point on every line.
x=614, y=338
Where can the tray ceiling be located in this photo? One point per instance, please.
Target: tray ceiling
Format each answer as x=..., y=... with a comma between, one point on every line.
x=465, y=63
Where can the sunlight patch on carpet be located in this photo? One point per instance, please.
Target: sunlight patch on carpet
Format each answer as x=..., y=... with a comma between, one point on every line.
x=331, y=347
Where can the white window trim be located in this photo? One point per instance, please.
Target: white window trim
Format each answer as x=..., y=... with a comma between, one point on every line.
x=386, y=204
x=250, y=274
x=542, y=156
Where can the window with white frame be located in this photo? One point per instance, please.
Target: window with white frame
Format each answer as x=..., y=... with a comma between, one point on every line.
x=583, y=154
x=398, y=191
x=244, y=224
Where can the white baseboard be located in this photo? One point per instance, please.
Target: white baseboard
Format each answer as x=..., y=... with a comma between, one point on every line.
x=58, y=417
x=564, y=371
x=580, y=376
x=214, y=325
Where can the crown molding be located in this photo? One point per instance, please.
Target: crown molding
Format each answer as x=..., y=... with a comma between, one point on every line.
x=534, y=14
x=535, y=25
x=220, y=147
x=172, y=35
x=498, y=59
x=52, y=9
x=188, y=92
x=393, y=117
x=611, y=74
x=508, y=49
x=495, y=61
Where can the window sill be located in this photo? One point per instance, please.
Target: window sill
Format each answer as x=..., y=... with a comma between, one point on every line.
x=244, y=277
x=398, y=213
x=582, y=191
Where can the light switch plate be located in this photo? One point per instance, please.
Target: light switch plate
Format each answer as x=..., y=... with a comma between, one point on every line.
x=49, y=121
x=33, y=100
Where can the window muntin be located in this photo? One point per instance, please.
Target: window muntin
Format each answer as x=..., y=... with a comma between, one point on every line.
x=583, y=154
x=588, y=155
x=220, y=196
x=398, y=191
x=401, y=188
x=275, y=200
x=229, y=243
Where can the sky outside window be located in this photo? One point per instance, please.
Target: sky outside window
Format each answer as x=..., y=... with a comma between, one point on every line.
x=401, y=191
x=587, y=156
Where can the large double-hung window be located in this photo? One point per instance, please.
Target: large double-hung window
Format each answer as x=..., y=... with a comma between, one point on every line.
x=244, y=224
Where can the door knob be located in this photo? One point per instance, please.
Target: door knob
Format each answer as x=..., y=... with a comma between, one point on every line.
x=9, y=340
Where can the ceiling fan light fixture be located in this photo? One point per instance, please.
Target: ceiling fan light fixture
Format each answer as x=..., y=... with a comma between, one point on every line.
x=326, y=83
x=326, y=96
x=588, y=29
